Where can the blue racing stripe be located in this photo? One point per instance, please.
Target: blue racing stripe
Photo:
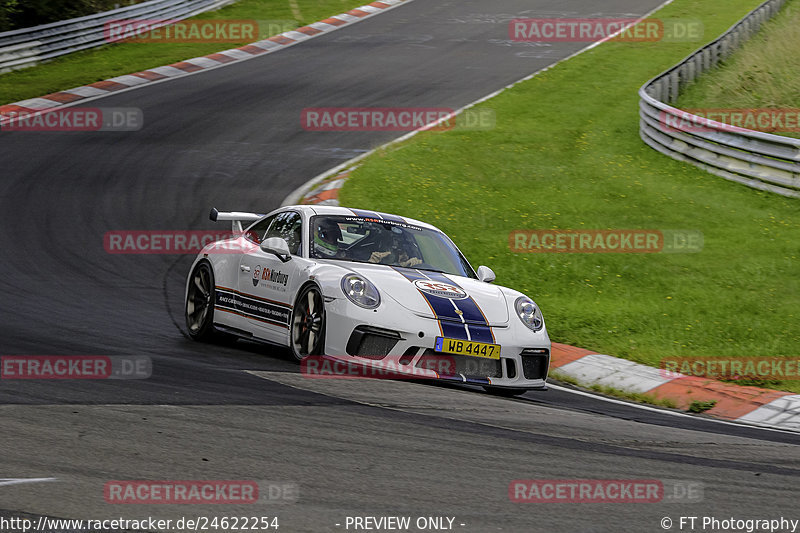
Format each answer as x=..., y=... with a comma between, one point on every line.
x=453, y=330
x=438, y=276
x=472, y=313
x=479, y=328
x=450, y=322
x=410, y=273
x=443, y=307
x=481, y=333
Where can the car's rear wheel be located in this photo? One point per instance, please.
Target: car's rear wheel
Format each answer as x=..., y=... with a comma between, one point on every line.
x=200, y=303
x=308, y=324
x=505, y=391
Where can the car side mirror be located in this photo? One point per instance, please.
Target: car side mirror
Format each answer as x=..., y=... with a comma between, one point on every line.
x=486, y=274
x=277, y=246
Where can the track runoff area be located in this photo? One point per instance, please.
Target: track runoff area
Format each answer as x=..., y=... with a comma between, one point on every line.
x=192, y=437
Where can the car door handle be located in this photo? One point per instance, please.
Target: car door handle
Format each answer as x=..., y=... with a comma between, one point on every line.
x=244, y=268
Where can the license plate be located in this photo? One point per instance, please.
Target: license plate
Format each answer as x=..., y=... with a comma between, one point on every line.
x=475, y=349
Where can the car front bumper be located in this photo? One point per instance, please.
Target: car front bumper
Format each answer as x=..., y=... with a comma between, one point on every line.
x=391, y=337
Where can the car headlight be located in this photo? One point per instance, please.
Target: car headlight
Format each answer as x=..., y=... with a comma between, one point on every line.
x=529, y=313
x=360, y=291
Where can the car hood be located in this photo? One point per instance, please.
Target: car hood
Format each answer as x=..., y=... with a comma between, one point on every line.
x=423, y=296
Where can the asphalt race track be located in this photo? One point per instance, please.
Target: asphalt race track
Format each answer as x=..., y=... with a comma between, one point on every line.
x=232, y=138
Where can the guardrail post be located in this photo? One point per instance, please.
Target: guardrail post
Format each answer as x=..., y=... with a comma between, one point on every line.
x=674, y=84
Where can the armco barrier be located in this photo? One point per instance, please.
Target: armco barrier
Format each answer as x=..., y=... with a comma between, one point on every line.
x=28, y=46
x=756, y=159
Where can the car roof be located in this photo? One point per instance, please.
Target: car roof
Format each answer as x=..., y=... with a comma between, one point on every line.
x=347, y=211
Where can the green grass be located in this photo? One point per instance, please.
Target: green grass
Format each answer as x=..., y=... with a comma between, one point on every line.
x=764, y=73
x=700, y=407
x=566, y=153
x=112, y=60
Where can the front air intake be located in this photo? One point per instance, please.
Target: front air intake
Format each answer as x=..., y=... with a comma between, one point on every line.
x=371, y=342
x=535, y=362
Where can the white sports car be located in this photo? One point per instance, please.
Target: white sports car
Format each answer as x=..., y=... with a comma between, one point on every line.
x=366, y=288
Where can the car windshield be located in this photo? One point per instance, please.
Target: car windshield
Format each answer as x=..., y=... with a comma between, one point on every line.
x=385, y=242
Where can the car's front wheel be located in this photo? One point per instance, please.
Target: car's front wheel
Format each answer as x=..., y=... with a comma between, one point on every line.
x=308, y=323
x=200, y=303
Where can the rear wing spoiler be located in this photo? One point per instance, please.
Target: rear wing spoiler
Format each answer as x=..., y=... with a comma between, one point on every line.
x=235, y=217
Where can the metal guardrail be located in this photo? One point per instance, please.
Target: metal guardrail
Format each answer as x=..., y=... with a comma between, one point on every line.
x=28, y=46
x=756, y=159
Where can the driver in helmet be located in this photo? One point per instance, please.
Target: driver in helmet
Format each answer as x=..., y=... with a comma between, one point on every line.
x=327, y=237
x=394, y=252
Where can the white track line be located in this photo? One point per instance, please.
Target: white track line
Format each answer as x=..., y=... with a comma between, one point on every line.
x=669, y=412
x=19, y=481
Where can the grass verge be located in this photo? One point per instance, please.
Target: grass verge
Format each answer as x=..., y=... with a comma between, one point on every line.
x=764, y=73
x=566, y=153
x=701, y=407
x=81, y=68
